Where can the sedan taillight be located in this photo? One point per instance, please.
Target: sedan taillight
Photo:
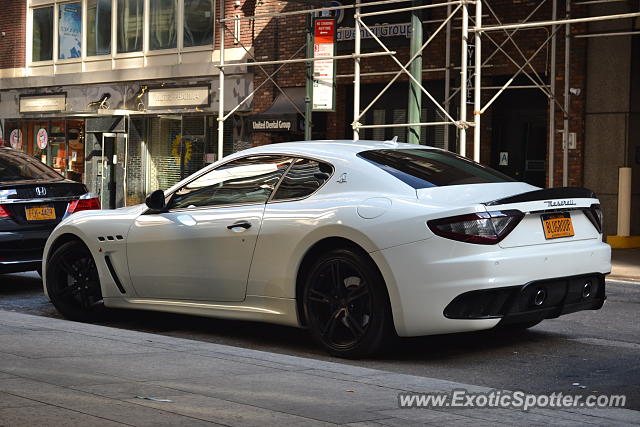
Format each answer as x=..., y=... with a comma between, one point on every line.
x=83, y=205
x=4, y=213
x=484, y=228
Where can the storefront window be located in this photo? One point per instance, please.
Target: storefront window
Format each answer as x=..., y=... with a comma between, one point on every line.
x=177, y=150
x=39, y=140
x=98, y=27
x=136, y=178
x=130, y=25
x=198, y=22
x=57, y=147
x=162, y=24
x=69, y=30
x=75, y=140
x=15, y=135
x=42, y=46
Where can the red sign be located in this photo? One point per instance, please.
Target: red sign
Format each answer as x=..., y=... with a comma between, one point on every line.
x=325, y=30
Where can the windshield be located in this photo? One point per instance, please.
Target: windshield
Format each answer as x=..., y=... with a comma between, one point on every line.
x=421, y=168
x=16, y=166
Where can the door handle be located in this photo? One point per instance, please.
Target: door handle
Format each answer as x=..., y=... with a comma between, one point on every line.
x=242, y=224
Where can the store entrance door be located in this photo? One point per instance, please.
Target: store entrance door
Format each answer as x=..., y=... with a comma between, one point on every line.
x=108, y=175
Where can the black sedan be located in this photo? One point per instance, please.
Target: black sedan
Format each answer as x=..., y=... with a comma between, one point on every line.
x=33, y=200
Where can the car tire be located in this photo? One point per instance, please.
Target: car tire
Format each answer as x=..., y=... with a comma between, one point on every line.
x=346, y=305
x=73, y=284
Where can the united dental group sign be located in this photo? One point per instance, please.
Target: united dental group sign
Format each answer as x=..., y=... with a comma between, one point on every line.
x=267, y=125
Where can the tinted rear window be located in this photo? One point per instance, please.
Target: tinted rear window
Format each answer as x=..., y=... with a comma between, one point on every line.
x=15, y=166
x=303, y=179
x=431, y=168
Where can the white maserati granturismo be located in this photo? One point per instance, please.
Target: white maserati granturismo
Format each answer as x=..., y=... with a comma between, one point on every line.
x=355, y=241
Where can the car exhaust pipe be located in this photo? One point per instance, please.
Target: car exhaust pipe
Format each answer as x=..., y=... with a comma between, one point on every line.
x=587, y=289
x=539, y=297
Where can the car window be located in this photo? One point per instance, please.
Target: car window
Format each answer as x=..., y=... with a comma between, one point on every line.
x=242, y=181
x=302, y=179
x=431, y=168
x=16, y=166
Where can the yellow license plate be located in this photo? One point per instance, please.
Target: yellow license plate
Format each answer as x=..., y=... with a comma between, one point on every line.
x=557, y=225
x=40, y=213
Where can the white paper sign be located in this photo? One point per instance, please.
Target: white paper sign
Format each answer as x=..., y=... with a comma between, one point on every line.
x=323, y=70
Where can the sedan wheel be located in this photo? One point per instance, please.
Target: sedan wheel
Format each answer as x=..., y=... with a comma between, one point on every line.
x=73, y=284
x=346, y=304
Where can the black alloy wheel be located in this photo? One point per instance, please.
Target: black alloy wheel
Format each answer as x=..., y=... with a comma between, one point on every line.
x=73, y=283
x=346, y=304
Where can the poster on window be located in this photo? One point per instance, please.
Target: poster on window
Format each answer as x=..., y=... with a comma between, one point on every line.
x=70, y=33
x=15, y=139
x=42, y=138
x=323, y=69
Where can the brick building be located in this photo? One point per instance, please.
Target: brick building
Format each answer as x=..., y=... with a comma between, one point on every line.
x=156, y=60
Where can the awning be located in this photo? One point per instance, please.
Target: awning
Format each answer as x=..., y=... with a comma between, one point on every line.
x=281, y=116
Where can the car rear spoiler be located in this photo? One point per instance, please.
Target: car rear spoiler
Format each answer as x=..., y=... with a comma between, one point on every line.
x=546, y=194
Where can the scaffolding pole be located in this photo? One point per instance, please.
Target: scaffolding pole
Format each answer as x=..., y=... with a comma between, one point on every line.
x=477, y=107
x=567, y=101
x=356, y=72
x=462, y=149
x=414, y=108
x=552, y=98
x=221, y=86
x=447, y=75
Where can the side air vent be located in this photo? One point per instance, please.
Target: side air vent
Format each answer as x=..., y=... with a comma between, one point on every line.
x=110, y=238
x=114, y=275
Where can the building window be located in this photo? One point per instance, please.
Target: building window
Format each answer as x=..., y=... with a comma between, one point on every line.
x=42, y=47
x=162, y=24
x=130, y=25
x=98, y=27
x=198, y=23
x=69, y=30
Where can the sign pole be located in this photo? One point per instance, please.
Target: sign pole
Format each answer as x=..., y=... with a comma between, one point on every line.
x=308, y=99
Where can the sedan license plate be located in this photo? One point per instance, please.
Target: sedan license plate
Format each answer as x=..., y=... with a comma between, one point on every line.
x=40, y=213
x=557, y=225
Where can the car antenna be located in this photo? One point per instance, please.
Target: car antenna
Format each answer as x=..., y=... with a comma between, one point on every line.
x=393, y=141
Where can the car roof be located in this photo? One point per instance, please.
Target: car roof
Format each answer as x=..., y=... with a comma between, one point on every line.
x=330, y=148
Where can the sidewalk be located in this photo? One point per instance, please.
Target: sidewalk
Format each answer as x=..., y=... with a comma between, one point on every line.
x=625, y=264
x=55, y=372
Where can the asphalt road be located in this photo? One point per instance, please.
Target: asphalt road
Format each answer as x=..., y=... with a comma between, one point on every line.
x=599, y=350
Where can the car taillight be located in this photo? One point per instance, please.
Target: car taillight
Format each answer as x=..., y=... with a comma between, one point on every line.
x=484, y=228
x=3, y=212
x=594, y=213
x=83, y=205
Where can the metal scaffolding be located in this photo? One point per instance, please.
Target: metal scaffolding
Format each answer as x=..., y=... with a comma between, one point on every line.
x=457, y=10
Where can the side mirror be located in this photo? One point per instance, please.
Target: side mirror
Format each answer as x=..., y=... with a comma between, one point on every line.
x=156, y=201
